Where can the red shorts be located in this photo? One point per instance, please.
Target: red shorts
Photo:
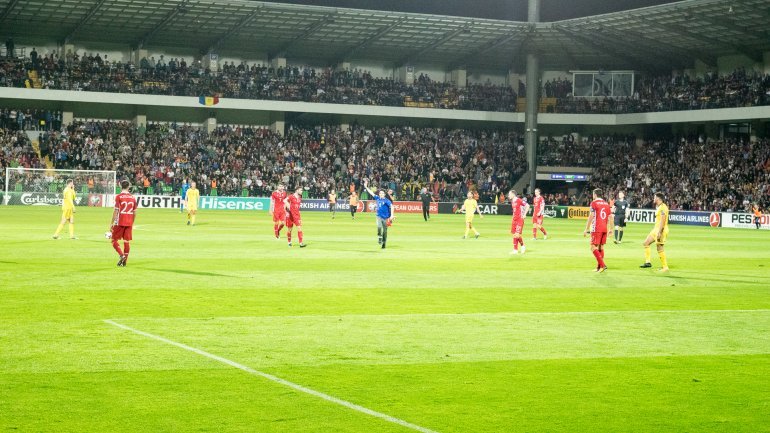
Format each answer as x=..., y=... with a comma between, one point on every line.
x=517, y=226
x=537, y=220
x=293, y=220
x=279, y=217
x=122, y=232
x=598, y=238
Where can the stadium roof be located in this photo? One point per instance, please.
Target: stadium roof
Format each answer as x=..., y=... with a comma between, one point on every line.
x=660, y=37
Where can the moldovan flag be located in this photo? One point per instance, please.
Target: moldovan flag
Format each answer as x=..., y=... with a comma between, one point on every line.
x=208, y=100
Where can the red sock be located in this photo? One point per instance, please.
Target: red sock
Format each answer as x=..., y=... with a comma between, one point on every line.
x=602, y=252
x=275, y=229
x=534, y=233
x=126, y=247
x=521, y=241
x=542, y=229
x=288, y=236
x=598, y=256
x=117, y=248
x=299, y=235
x=280, y=227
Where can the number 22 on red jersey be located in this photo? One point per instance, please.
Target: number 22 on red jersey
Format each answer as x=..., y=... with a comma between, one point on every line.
x=126, y=206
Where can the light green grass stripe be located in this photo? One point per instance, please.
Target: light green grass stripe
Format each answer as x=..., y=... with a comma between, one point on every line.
x=436, y=338
x=276, y=379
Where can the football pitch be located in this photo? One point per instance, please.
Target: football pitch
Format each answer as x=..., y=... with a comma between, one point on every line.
x=222, y=328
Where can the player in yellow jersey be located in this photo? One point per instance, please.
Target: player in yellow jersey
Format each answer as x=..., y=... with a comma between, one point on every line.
x=658, y=235
x=67, y=210
x=333, y=203
x=191, y=198
x=470, y=206
x=353, y=200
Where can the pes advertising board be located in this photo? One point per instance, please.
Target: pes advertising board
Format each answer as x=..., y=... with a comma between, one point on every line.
x=739, y=220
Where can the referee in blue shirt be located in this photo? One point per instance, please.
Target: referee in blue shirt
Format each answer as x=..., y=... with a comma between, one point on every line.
x=384, y=213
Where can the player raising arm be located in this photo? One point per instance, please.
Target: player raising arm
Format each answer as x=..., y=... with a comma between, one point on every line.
x=191, y=198
x=293, y=203
x=597, y=226
x=67, y=210
x=278, y=210
x=757, y=215
x=123, y=221
x=470, y=207
x=658, y=235
x=385, y=213
x=538, y=212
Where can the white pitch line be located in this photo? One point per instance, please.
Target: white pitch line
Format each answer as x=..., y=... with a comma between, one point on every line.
x=276, y=379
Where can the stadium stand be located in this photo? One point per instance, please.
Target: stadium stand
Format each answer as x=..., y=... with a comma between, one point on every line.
x=90, y=72
x=250, y=161
x=696, y=172
x=739, y=88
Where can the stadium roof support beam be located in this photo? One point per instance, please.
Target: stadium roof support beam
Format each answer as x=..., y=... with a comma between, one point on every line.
x=234, y=29
x=167, y=19
x=749, y=33
x=84, y=20
x=444, y=38
x=8, y=8
x=487, y=47
x=675, y=54
x=281, y=50
x=599, y=44
x=684, y=30
x=368, y=41
x=521, y=47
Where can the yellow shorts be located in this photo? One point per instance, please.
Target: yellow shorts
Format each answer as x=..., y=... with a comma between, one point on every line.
x=663, y=236
x=67, y=213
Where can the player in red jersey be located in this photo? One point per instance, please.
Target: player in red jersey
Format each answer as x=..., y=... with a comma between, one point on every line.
x=597, y=226
x=277, y=210
x=292, y=204
x=538, y=205
x=123, y=221
x=519, y=209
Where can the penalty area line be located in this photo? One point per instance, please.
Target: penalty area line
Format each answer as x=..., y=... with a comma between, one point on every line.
x=275, y=379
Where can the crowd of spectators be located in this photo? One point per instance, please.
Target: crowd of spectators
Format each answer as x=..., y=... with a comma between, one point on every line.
x=174, y=76
x=16, y=150
x=252, y=161
x=30, y=119
x=740, y=88
x=695, y=173
x=557, y=88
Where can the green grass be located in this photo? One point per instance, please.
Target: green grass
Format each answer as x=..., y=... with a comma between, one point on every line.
x=448, y=334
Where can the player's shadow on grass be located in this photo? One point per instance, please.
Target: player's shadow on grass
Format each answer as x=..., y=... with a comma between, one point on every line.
x=187, y=272
x=717, y=280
